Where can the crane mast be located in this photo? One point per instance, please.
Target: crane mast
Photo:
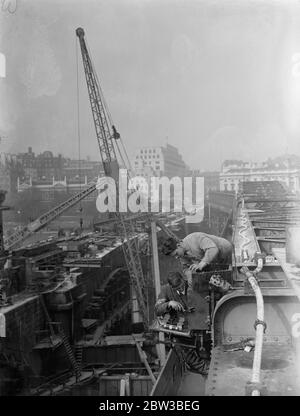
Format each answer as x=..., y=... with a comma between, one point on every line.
x=106, y=135
x=104, y=132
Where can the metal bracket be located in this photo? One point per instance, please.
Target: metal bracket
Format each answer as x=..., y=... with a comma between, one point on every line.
x=250, y=387
x=259, y=322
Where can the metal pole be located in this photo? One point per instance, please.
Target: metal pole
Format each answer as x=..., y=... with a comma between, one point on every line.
x=143, y=358
x=161, y=350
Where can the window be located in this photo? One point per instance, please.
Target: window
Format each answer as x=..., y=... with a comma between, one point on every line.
x=157, y=156
x=154, y=151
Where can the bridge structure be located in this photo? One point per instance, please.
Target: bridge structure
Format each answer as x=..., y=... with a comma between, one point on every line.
x=255, y=327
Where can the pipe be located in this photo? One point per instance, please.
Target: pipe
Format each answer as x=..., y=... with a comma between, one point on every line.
x=259, y=329
x=259, y=267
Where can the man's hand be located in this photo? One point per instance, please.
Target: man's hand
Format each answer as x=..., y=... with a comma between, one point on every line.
x=198, y=267
x=175, y=305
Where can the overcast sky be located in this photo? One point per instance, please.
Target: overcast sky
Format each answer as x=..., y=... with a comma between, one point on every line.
x=217, y=79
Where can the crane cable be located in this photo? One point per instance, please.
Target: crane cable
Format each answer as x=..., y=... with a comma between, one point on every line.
x=78, y=132
x=110, y=121
x=126, y=163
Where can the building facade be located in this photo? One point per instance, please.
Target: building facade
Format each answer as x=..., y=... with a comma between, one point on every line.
x=5, y=179
x=235, y=172
x=46, y=166
x=79, y=169
x=164, y=160
x=51, y=189
x=146, y=172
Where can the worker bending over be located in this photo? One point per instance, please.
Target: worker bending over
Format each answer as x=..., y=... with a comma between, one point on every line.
x=198, y=251
x=173, y=295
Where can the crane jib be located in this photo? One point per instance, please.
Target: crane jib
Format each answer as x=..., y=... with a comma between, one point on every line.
x=106, y=133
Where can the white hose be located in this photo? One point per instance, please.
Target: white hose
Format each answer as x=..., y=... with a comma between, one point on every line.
x=259, y=329
x=259, y=267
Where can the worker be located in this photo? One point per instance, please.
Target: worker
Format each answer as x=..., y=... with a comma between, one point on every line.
x=199, y=251
x=173, y=295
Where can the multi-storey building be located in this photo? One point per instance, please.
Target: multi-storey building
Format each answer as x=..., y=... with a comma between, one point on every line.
x=164, y=160
x=50, y=189
x=147, y=173
x=42, y=166
x=5, y=180
x=73, y=169
x=28, y=162
x=47, y=167
x=235, y=172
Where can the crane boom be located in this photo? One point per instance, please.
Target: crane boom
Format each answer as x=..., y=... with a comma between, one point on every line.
x=106, y=135
x=36, y=225
x=104, y=132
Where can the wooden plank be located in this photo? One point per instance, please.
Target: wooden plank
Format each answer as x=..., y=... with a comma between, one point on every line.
x=122, y=339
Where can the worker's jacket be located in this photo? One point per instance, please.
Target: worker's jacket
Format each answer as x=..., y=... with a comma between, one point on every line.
x=208, y=248
x=168, y=293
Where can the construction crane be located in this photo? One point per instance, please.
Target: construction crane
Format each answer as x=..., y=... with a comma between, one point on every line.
x=24, y=232
x=107, y=135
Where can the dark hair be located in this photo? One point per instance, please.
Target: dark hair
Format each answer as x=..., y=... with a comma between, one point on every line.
x=175, y=278
x=169, y=245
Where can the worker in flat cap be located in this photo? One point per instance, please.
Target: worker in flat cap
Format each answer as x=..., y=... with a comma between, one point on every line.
x=199, y=251
x=173, y=295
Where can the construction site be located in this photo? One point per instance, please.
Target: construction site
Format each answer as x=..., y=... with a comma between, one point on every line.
x=78, y=313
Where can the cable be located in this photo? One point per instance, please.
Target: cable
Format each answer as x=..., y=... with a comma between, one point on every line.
x=78, y=132
x=126, y=163
x=120, y=154
x=101, y=99
x=124, y=149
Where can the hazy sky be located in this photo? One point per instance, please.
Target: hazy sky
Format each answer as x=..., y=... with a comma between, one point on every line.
x=217, y=79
